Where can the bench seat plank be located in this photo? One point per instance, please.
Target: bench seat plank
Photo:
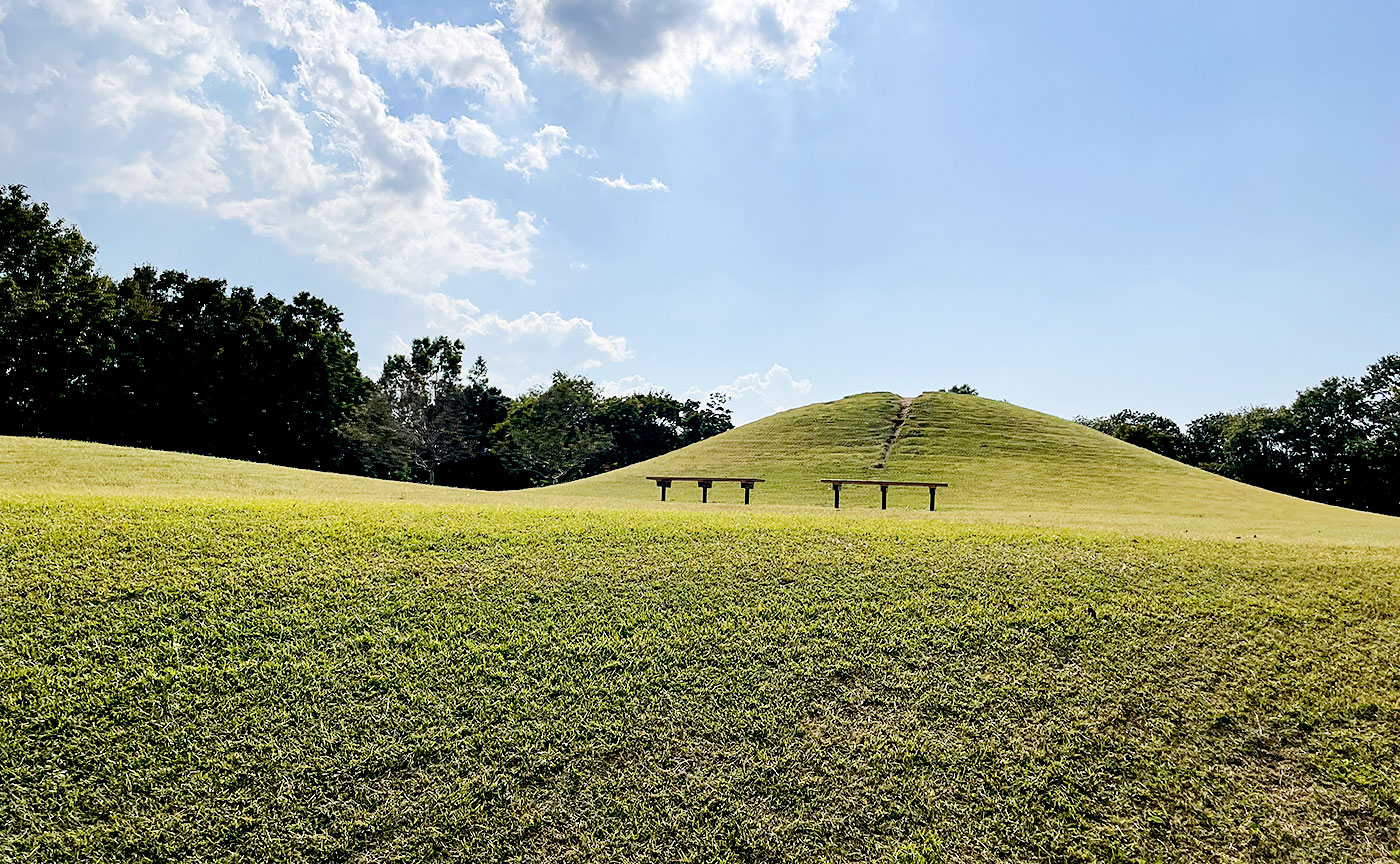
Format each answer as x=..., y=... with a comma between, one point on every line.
x=884, y=483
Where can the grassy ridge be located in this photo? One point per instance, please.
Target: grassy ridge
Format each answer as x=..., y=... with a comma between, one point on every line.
x=211, y=660
x=1003, y=464
x=30, y=465
x=335, y=681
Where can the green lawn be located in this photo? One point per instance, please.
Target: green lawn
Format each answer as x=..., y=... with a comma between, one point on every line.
x=206, y=660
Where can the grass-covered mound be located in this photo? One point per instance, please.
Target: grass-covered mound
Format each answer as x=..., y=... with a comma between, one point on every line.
x=211, y=660
x=1003, y=463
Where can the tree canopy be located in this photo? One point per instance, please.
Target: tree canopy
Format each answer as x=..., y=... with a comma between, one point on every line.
x=1338, y=442
x=167, y=360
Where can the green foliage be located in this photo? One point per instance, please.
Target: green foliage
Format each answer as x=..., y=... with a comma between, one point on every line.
x=163, y=359
x=1338, y=442
x=1148, y=431
x=961, y=389
x=555, y=434
x=56, y=319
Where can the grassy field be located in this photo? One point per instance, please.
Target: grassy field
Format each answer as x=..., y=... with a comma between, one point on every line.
x=204, y=660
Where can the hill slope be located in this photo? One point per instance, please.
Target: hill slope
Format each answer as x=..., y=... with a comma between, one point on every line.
x=1003, y=463
x=193, y=669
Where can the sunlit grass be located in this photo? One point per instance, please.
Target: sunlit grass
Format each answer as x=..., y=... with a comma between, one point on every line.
x=270, y=680
x=212, y=660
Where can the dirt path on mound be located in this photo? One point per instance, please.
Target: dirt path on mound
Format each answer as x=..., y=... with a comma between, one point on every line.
x=904, y=406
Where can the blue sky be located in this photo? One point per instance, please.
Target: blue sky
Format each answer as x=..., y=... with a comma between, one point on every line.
x=1078, y=207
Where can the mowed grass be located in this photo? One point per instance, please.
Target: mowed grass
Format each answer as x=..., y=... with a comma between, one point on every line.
x=301, y=681
x=1085, y=655
x=1003, y=464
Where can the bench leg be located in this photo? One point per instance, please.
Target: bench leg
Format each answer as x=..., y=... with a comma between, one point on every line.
x=663, y=492
x=932, y=491
x=884, y=495
x=705, y=492
x=747, y=489
x=836, y=487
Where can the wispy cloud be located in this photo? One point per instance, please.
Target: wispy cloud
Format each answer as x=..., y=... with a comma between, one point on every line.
x=621, y=182
x=629, y=385
x=536, y=154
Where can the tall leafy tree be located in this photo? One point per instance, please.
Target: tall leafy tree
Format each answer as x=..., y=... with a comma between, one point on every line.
x=555, y=434
x=161, y=359
x=699, y=422
x=1380, y=388
x=478, y=406
x=422, y=390
x=1328, y=444
x=56, y=321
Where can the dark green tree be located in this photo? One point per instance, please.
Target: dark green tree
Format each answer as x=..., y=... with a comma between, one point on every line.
x=1380, y=387
x=163, y=359
x=422, y=391
x=699, y=422
x=1328, y=443
x=1149, y=431
x=1205, y=441
x=555, y=434
x=477, y=408
x=1257, y=450
x=56, y=321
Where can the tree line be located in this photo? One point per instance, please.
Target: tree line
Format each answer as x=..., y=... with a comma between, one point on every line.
x=164, y=360
x=1338, y=442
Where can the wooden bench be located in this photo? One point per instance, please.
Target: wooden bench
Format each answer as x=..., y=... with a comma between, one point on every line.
x=705, y=484
x=884, y=488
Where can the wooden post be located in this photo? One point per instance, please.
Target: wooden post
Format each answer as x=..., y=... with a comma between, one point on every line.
x=664, y=484
x=836, y=487
x=705, y=491
x=932, y=491
x=748, y=487
x=884, y=492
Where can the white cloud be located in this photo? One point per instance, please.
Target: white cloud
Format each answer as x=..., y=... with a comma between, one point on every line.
x=273, y=114
x=758, y=394
x=629, y=385
x=476, y=137
x=458, y=317
x=621, y=182
x=656, y=47
x=577, y=265
x=544, y=145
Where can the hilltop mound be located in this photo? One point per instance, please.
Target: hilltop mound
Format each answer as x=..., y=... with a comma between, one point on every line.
x=1002, y=463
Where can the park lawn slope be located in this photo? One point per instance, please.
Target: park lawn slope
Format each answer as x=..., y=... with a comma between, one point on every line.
x=1003, y=463
x=41, y=465
x=300, y=680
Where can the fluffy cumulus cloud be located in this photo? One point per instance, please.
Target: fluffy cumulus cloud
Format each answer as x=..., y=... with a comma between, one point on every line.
x=759, y=394
x=621, y=182
x=536, y=154
x=657, y=46
x=276, y=114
